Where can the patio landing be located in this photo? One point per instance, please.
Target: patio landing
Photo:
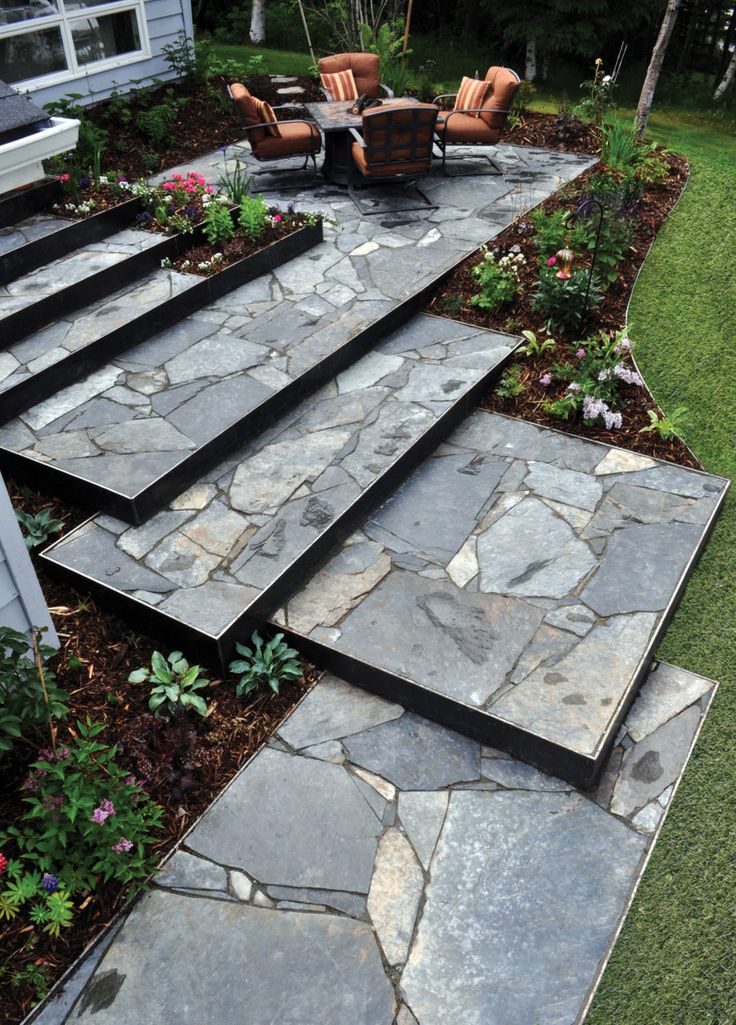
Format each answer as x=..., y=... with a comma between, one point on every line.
x=370, y=868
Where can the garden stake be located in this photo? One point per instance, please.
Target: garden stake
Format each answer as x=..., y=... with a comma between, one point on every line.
x=573, y=219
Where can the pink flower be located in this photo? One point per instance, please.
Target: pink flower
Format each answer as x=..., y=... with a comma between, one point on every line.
x=122, y=846
x=64, y=177
x=552, y=261
x=545, y=379
x=168, y=186
x=580, y=353
x=277, y=218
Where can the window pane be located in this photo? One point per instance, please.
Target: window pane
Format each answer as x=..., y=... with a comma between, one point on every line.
x=31, y=55
x=82, y=5
x=98, y=39
x=14, y=11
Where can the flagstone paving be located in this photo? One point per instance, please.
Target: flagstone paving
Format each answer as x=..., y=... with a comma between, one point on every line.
x=29, y=230
x=76, y=266
x=155, y=407
x=220, y=551
x=369, y=867
x=521, y=573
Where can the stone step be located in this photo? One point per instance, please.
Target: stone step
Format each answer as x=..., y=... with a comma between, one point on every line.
x=219, y=558
x=515, y=588
x=36, y=369
x=406, y=874
x=34, y=300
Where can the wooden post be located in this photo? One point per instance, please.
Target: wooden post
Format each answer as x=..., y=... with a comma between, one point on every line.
x=306, y=32
x=407, y=27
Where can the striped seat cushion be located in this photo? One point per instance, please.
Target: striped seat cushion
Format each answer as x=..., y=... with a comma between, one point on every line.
x=265, y=113
x=471, y=94
x=341, y=85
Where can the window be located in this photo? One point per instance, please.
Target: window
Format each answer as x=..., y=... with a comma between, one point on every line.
x=47, y=41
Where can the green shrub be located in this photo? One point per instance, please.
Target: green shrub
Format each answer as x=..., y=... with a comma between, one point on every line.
x=563, y=302
x=554, y=230
x=29, y=697
x=218, y=224
x=86, y=817
x=253, y=217
x=39, y=528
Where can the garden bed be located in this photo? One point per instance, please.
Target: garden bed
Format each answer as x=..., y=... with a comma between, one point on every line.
x=454, y=299
x=183, y=768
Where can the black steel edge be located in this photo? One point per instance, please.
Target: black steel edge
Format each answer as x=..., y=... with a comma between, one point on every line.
x=221, y=646
x=475, y=723
x=37, y=387
x=658, y=633
x=26, y=202
x=56, y=306
x=58, y=243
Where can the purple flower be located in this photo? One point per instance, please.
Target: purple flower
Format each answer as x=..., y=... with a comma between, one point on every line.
x=580, y=353
x=290, y=208
x=624, y=345
x=84, y=182
x=122, y=846
x=552, y=261
x=45, y=754
x=49, y=882
x=627, y=375
x=545, y=379
x=144, y=217
x=101, y=814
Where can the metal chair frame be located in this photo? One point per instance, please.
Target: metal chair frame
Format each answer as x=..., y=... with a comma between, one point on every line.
x=386, y=150
x=314, y=148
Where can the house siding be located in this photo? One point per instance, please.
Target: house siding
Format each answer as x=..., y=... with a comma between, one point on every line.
x=166, y=21
x=22, y=604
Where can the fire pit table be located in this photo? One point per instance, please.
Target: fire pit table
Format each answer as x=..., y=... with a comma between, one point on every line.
x=335, y=121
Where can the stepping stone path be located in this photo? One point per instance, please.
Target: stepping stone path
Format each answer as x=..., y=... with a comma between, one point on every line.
x=304, y=448
x=404, y=874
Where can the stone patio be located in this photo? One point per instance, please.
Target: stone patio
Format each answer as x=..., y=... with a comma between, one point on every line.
x=368, y=867
x=378, y=862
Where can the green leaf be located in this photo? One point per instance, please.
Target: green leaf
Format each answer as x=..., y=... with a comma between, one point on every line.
x=138, y=676
x=160, y=667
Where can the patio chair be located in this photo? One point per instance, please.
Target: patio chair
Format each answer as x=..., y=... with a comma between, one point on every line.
x=396, y=146
x=480, y=123
x=363, y=68
x=269, y=138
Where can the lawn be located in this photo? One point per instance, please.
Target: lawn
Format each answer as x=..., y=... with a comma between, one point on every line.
x=674, y=963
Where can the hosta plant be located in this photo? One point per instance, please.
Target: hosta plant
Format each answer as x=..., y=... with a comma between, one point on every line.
x=272, y=663
x=174, y=683
x=37, y=529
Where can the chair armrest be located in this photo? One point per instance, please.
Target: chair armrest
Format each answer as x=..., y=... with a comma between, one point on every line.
x=444, y=96
x=446, y=115
x=358, y=137
x=389, y=92
x=286, y=121
x=326, y=93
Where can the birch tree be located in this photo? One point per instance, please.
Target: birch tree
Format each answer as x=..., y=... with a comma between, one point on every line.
x=257, y=32
x=646, y=98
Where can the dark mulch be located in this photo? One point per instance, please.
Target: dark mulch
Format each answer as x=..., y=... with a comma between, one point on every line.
x=237, y=248
x=184, y=765
x=554, y=131
x=104, y=196
x=453, y=298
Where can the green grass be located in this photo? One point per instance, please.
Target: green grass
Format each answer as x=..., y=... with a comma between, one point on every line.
x=277, y=62
x=674, y=963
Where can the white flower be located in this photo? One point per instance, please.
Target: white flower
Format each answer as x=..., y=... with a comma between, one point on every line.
x=606, y=79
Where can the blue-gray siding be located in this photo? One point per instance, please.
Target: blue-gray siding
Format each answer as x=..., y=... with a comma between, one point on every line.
x=167, y=20
x=22, y=604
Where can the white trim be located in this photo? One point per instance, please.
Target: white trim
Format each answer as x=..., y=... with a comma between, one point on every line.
x=64, y=22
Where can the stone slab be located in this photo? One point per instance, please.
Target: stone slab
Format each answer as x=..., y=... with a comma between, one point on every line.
x=534, y=616
x=506, y=917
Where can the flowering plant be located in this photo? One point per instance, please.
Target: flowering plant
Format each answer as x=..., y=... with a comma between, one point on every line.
x=177, y=204
x=498, y=277
x=563, y=301
x=595, y=379
x=86, y=817
x=598, y=98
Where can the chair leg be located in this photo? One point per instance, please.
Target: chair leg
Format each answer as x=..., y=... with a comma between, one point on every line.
x=480, y=156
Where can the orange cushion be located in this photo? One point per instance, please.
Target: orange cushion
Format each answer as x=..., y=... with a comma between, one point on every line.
x=466, y=128
x=293, y=139
x=247, y=106
x=503, y=84
x=471, y=94
x=265, y=113
x=341, y=85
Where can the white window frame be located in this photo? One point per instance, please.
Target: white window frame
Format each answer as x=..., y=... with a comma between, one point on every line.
x=63, y=20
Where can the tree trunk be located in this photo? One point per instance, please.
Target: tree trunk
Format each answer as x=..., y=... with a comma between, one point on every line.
x=258, y=23
x=727, y=41
x=531, y=60
x=644, y=107
x=727, y=80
